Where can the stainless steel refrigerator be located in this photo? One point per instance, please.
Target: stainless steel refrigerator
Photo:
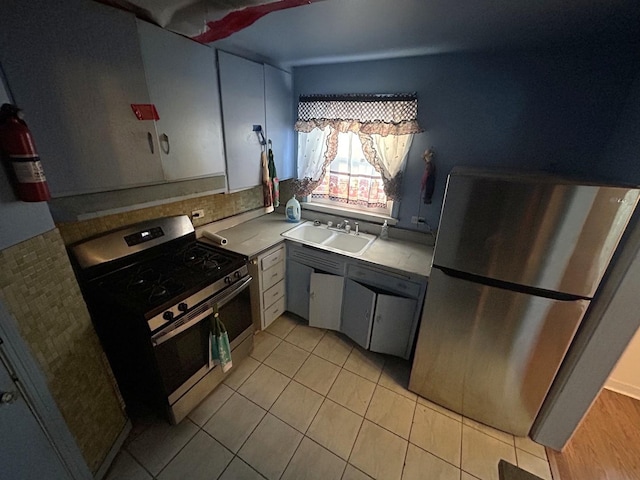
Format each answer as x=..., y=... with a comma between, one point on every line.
x=517, y=260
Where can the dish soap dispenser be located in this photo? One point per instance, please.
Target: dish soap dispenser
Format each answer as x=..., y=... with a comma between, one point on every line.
x=292, y=210
x=384, y=231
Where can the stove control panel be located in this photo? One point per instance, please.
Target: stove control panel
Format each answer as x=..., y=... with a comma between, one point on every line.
x=143, y=236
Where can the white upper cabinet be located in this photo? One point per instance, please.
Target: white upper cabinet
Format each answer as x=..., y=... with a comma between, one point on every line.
x=242, y=92
x=278, y=88
x=75, y=68
x=183, y=85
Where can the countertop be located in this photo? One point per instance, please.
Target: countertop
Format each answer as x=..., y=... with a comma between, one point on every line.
x=257, y=235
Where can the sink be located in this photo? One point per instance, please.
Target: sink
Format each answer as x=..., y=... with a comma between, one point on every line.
x=309, y=233
x=351, y=243
x=330, y=239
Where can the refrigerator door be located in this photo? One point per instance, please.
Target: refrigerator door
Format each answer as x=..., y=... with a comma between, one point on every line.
x=489, y=353
x=532, y=231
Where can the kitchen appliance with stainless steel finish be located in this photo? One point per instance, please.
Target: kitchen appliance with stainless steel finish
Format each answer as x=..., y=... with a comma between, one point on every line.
x=151, y=289
x=518, y=258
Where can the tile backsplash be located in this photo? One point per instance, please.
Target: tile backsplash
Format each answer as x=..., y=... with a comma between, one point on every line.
x=39, y=288
x=216, y=207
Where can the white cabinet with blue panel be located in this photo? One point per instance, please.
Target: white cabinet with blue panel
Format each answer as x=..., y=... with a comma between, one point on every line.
x=75, y=68
x=278, y=88
x=242, y=92
x=183, y=85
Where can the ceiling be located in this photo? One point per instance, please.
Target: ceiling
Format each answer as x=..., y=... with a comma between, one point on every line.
x=347, y=30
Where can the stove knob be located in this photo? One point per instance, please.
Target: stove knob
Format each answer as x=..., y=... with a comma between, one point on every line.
x=183, y=307
x=227, y=280
x=236, y=274
x=168, y=315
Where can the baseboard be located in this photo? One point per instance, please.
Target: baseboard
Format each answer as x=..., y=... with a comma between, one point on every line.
x=632, y=391
x=115, y=448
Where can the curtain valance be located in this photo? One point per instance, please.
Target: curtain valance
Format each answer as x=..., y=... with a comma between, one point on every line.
x=382, y=114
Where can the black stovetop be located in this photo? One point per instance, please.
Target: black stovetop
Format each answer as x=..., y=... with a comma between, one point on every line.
x=169, y=276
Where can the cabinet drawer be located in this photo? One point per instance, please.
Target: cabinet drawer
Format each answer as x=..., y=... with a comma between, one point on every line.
x=384, y=280
x=272, y=276
x=271, y=259
x=274, y=293
x=273, y=312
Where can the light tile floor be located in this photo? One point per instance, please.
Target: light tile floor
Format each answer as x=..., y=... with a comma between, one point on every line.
x=309, y=404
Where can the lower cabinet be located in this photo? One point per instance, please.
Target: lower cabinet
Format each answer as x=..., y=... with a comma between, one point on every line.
x=376, y=308
x=268, y=291
x=378, y=321
x=325, y=300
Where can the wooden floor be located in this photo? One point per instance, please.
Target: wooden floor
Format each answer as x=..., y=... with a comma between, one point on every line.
x=606, y=445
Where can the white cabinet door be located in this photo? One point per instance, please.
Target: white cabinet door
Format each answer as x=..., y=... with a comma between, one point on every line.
x=183, y=85
x=75, y=68
x=392, y=324
x=357, y=313
x=242, y=92
x=298, y=286
x=325, y=301
x=278, y=88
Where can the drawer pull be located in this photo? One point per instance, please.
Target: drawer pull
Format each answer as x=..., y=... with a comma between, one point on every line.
x=274, y=275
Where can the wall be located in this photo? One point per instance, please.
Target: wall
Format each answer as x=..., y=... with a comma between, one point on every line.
x=40, y=290
x=20, y=220
x=41, y=293
x=625, y=378
x=540, y=109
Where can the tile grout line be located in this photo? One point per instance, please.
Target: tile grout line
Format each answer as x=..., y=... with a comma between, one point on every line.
x=183, y=446
x=404, y=464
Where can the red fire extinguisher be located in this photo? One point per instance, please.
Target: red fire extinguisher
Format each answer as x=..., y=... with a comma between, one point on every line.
x=20, y=157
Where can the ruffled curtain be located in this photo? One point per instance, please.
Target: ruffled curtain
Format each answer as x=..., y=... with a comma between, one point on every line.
x=351, y=179
x=385, y=125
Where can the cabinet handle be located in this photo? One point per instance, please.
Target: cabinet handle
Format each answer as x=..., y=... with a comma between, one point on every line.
x=274, y=275
x=164, y=140
x=150, y=140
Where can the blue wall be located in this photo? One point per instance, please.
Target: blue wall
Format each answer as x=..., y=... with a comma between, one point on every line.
x=19, y=220
x=536, y=110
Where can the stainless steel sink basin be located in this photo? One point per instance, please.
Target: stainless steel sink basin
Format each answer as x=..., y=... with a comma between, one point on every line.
x=330, y=239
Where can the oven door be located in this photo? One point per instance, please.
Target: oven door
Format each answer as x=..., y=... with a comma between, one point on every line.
x=183, y=349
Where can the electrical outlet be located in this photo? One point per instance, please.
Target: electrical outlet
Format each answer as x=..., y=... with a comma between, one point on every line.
x=197, y=214
x=414, y=220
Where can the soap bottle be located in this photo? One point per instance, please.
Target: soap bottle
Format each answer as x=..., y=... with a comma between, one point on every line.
x=292, y=210
x=384, y=231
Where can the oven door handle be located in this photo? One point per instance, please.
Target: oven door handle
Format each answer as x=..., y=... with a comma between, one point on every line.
x=236, y=290
x=161, y=337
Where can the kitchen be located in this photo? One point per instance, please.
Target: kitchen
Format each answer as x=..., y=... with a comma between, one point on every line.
x=534, y=108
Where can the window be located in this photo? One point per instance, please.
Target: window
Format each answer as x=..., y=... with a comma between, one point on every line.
x=352, y=148
x=351, y=181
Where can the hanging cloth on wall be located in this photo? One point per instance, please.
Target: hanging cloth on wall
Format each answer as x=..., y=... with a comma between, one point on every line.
x=220, y=347
x=273, y=176
x=428, y=182
x=267, y=185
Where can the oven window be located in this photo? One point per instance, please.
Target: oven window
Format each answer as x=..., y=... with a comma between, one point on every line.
x=182, y=356
x=236, y=315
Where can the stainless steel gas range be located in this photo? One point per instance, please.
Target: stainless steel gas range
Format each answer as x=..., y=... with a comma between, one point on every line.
x=151, y=289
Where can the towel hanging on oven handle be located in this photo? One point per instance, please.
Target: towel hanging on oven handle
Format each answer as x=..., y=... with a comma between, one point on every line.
x=220, y=348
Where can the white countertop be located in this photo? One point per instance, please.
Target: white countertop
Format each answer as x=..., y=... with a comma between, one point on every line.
x=254, y=236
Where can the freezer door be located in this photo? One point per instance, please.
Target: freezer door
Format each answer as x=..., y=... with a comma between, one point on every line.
x=523, y=230
x=488, y=353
